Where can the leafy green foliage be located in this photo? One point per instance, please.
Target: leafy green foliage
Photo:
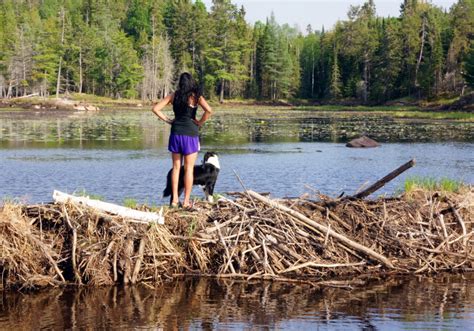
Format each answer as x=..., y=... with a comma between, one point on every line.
x=135, y=48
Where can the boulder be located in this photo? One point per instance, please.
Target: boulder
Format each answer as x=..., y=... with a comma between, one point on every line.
x=80, y=107
x=362, y=142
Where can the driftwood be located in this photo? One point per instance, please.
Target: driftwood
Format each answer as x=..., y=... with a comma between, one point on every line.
x=111, y=208
x=365, y=250
x=26, y=96
x=381, y=182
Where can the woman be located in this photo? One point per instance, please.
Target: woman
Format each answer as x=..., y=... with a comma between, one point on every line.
x=184, y=137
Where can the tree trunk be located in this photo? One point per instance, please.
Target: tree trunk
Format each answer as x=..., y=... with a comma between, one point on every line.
x=107, y=207
x=420, y=56
x=221, y=96
x=58, y=83
x=312, y=71
x=366, y=75
x=80, y=71
x=9, y=90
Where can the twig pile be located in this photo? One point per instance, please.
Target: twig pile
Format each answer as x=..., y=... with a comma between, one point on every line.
x=254, y=237
x=248, y=237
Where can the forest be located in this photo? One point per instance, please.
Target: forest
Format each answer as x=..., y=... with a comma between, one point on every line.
x=136, y=49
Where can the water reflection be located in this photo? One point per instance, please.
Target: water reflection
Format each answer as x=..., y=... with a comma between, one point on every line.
x=140, y=129
x=398, y=303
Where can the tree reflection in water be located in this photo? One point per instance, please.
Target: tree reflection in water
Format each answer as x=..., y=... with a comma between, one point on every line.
x=399, y=303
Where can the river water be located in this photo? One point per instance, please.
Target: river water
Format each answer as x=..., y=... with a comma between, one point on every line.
x=440, y=303
x=122, y=154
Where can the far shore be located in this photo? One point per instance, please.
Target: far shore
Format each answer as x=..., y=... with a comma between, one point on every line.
x=452, y=109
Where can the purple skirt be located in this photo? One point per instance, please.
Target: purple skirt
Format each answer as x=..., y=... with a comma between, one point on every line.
x=183, y=144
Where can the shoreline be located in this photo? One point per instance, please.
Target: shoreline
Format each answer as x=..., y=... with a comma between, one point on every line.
x=85, y=107
x=69, y=101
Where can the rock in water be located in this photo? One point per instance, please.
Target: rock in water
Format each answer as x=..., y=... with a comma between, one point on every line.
x=362, y=142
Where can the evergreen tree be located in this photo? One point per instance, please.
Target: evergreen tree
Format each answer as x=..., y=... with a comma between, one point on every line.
x=335, y=88
x=469, y=67
x=462, y=25
x=388, y=60
x=225, y=50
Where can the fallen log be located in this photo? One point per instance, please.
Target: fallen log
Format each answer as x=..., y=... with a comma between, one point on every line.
x=367, y=251
x=111, y=208
x=381, y=182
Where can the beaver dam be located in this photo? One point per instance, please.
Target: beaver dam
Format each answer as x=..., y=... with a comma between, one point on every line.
x=312, y=239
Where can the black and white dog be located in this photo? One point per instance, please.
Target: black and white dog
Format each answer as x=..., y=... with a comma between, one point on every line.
x=205, y=175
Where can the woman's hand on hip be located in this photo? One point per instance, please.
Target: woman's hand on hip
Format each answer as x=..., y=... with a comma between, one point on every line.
x=198, y=123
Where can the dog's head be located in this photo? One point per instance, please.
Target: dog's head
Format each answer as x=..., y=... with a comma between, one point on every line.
x=211, y=158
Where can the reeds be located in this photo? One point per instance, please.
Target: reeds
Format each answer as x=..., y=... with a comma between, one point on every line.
x=241, y=238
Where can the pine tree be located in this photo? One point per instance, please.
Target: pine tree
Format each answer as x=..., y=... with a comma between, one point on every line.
x=387, y=65
x=469, y=67
x=336, y=86
x=361, y=42
x=462, y=24
x=225, y=51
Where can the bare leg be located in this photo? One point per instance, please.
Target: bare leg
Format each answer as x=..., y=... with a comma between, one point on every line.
x=189, y=161
x=176, y=157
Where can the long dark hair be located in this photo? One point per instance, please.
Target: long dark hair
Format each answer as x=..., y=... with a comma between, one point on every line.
x=187, y=87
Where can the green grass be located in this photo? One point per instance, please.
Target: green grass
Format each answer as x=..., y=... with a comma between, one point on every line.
x=394, y=111
x=130, y=202
x=462, y=116
x=432, y=184
x=84, y=193
x=192, y=227
x=358, y=108
x=99, y=100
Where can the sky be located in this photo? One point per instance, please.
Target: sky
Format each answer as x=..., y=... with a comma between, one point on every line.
x=318, y=13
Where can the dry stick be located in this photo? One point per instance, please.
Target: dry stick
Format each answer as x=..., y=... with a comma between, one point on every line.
x=48, y=256
x=319, y=265
x=464, y=237
x=245, y=189
x=235, y=243
x=108, y=250
x=331, y=214
x=225, y=247
x=214, y=228
x=236, y=204
x=138, y=263
x=430, y=257
x=128, y=250
x=381, y=182
x=322, y=228
x=327, y=236
x=461, y=222
x=115, y=267
x=443, y=226
x=74, y=246
x=265, y=258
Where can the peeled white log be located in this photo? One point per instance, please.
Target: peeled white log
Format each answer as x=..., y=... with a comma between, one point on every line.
x=111, y=208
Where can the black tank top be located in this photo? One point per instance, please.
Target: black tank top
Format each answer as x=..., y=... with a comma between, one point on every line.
x=183, y=120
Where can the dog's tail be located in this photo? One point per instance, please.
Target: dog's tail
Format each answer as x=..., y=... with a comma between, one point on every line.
x=167, y=191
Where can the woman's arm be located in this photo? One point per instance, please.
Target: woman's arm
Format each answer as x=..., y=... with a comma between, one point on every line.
x=162, y=104
x=207, y=111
